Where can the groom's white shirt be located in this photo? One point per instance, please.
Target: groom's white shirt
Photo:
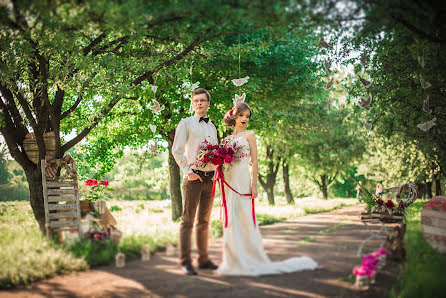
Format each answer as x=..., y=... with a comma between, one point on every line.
x=189, y=135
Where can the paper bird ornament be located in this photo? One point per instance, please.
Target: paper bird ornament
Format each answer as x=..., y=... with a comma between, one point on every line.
x=240, y=82
x=154, y=88
x=426, y=106
x=424, y=84
x=364, y=82
x=329, y=84
x=324, y=44
x=427, y=125
x=364, y=103
x=156, y=108
x=152, y=128
x=367, y=126
x=238, y=98
x=154, y=147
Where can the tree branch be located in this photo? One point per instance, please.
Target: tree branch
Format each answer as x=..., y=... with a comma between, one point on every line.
x=72, y=108
x=95, y=42
x=93, y=124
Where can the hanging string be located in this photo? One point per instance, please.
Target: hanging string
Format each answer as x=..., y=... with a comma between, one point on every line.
x=239, y=55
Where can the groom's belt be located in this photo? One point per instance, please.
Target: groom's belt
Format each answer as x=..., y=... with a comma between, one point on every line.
x=202, y=173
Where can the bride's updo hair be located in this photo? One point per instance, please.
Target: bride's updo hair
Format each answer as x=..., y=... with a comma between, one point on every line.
x=232, y=114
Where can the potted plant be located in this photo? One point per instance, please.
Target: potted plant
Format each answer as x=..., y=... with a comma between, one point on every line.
x=95, y=195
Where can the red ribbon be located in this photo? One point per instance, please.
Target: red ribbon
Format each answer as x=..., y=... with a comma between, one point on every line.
x=220, y=177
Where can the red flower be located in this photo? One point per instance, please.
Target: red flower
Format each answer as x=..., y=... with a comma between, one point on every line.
x=231, y=112
x=390, y=204
x=228, y=159
x=103, y=182
x=91, y=182
x=230, y=151
x=222, y=151
x=206, y=158
x=217, y=160
x=380, y=202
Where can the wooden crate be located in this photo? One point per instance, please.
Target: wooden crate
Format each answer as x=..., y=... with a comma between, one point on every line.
x=32, y=150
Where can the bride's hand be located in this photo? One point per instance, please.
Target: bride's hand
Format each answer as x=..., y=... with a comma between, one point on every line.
x=254, y=192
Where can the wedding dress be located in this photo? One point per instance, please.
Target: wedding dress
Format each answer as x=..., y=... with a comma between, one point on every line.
x=243, y=252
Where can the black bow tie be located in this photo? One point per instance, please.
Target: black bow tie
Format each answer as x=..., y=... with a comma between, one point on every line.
x=204, y=119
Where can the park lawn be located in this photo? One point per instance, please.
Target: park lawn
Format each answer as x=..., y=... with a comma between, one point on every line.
x=422, y=274
x=28, y=256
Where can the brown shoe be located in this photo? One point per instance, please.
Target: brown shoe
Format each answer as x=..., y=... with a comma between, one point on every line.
x=208, y=265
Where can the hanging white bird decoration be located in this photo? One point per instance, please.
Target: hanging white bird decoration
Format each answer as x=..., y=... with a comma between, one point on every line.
x=154, y=147
x=194, y=86
x=325, y=44
x=424, y=84
x=154, y=88
x=327, y=64
x=240, y=82
x=156, y=108
x=364, y=82
x=427, y=125
x=329, y=84
x=364, y=59
x=152, y=128
x=367, y=126
x=364, y=103
x=426, y=105
x=238, y=98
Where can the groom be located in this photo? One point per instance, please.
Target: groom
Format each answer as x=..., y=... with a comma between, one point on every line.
x=197, y=184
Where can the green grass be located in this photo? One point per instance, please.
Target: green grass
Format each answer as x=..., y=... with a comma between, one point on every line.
x=423, y=270
x=307, y=240
x=330, y=229
x=25, y=254
x=266, y=219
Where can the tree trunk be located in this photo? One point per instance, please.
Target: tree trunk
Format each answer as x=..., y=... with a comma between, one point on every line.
x=429, y=189
x=174, y=181
x=269, y=181
x=323, y=186
x=437, y=187
x=34, y=178
x=286, y=183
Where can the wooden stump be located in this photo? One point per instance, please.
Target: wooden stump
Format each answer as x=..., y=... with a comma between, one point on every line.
x=433, y=223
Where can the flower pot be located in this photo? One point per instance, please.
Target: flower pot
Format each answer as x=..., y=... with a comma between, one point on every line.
x=362, y=282
x=86, y=206
x=100, y=207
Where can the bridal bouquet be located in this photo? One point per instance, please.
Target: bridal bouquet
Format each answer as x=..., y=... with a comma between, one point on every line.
x=218, y=155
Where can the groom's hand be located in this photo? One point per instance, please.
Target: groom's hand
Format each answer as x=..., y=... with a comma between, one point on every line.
x=193, y=176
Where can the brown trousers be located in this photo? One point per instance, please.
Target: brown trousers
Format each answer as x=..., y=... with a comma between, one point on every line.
x=195, y=194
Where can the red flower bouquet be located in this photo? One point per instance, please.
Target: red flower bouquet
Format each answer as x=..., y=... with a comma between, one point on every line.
x=218, y=155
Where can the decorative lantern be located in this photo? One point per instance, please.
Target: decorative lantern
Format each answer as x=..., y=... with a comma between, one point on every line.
x=433, y=223
x=120, y=260
x=170, y=250
x=145, y=253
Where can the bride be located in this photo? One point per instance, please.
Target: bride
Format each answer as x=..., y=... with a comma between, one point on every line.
x=243, y=252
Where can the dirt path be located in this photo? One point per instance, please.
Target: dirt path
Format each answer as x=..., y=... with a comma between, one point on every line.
x=330, y=238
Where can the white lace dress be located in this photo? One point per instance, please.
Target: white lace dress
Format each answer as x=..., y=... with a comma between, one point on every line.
x=243, y=252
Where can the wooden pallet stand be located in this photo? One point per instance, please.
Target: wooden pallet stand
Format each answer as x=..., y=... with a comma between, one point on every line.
x=61, y=202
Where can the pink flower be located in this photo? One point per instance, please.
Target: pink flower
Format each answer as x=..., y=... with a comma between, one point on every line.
x=360, y=271
x=383, y=251
x=103, y=182
x=390, y=204
x=380, y=202
x=91, y=182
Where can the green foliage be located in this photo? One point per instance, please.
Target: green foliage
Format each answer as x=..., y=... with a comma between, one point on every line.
x=423, y=268
x=216, y=228
x=100, y=252
x=5, y=175
x=26, y=254
x=115, y=208
x=266, y=219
